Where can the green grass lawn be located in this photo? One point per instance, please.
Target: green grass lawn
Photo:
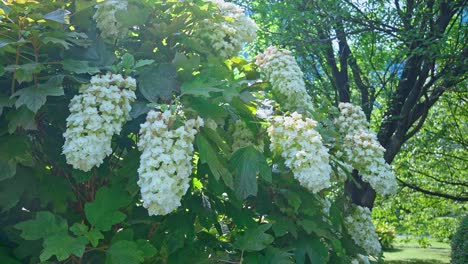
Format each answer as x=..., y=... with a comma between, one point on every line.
x=411, y=252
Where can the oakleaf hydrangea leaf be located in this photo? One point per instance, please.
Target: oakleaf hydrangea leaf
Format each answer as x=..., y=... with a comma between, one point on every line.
x=104, y=212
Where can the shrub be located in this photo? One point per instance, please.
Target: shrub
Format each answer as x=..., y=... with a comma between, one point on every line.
x=386, y=233
x=460, y=243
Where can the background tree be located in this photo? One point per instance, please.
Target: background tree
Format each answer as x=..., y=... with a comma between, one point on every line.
x=394, y=58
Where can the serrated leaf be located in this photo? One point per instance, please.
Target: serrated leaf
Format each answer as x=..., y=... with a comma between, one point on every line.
x=79, y=67
x=216, y=163
x=22, y=117
x=124, y=252
x=60, y=15
x=92, y=235
x=158, y=82
x=62, y=246
x=35, y=97
x=25, y=72
x=276, y=256
x=44, y=225
x=314, y=248
x=104, y=212
x=255, y=239
x=247, y=162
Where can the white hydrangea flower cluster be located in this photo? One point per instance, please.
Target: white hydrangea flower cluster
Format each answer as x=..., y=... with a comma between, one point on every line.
x=286, y=78
x=361, y=259
x=166, y=160
x=363, y=151
x=362, y=231
x=97, y=114
x=243, y=137
x=301, y=146
x=351, y=118
x=228, y=36
x=106, y=21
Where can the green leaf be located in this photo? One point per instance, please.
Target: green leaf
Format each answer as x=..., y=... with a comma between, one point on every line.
x=62, y=246
x=282, y=225
x=142, y=63
x=7, y=169
x=127, y=61
x=44, y=225
x=60, y=15
x=79, y=67
x=104, y=212
x=200, y=87
x=314, y=248
x=92, y=235
x=158, y=82
x=25, y=72
x=12, y=189
x=293, y=199
x=5, y=101
x=217, y=164
x=35, y=97
x=6, y=257
x=81, y=176
x=255, y=239
x=22, y=117
x=217, y=139
x=124, y=252
x=14, y=149
x=247, y=162
x=148, y=249
x=55, y=191
x=276, y=256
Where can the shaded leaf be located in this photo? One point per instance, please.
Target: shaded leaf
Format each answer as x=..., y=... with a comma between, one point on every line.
x=314, y=248
x=255, y=239
x=158, y=82
x=124, y=252
x=62, y=246
x=35, y=97
x=104, y=212
x=79, y=67
x=25, y=72
x=22, y=117
x=247, y=162
x=44, y=225
x=217, y=164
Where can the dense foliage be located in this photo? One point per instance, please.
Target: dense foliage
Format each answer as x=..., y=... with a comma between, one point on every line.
x=460, y=243
x=121, y=142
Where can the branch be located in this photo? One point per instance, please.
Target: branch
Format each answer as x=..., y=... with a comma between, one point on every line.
x=432, y=193
x=439, y=180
